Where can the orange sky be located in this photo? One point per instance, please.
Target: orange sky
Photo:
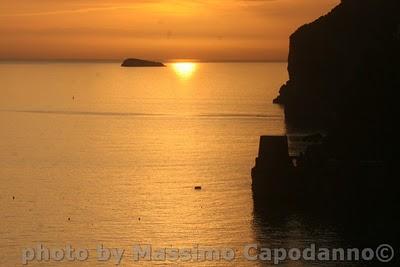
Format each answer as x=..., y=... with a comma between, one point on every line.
x=153, y=29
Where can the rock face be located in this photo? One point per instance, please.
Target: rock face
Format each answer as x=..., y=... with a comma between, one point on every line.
x=344, y=77
x=344, y=72
x=272, y=176
x=134, y=62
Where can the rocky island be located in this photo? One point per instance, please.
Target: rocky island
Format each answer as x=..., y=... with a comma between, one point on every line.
x=134, y=62
x=343, y=79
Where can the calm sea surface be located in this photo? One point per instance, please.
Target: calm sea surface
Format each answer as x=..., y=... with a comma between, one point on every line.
x=93, y=154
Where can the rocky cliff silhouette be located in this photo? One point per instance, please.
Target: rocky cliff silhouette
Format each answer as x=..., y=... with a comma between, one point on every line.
x=344, y=74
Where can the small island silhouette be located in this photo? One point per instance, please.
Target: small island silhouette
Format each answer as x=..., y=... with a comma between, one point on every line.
x=134, y=62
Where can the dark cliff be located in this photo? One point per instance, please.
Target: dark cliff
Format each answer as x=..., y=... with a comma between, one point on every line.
x=343, y=75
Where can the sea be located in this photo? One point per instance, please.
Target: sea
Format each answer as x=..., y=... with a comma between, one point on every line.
x=99, y=159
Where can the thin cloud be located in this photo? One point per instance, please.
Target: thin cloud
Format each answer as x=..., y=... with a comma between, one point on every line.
x=72, y=11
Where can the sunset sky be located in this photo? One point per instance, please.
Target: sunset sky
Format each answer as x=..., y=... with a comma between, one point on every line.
x=153, y=29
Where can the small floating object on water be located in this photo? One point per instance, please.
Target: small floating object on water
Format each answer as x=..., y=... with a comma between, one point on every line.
x=69, y=219
x=73, y=97
x=139, y=218
x=198, y=187
x=13, y=197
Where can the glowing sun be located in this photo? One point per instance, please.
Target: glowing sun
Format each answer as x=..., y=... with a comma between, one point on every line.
x=184, y=69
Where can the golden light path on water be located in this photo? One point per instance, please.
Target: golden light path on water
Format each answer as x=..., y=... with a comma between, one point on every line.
x=184, y=70
x=106, y=168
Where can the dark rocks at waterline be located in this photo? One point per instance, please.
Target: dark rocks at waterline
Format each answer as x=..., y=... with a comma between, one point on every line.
x=271, y=175
x=313, y=138
x=134, y=62
x=320, y=183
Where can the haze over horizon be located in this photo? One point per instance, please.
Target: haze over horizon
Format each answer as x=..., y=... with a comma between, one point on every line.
x=154, y=29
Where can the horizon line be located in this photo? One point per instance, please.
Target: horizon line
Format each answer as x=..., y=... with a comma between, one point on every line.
x=72, y=60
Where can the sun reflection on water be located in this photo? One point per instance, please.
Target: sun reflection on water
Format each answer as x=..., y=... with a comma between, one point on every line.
x=184, y=70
